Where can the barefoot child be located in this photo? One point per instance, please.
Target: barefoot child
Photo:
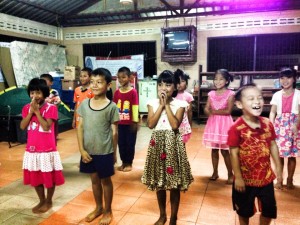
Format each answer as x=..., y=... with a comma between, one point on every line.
x=285, y=117
x=252, y=141
x=97, y=135
x=167, y=166
x=42, y=167
x=218, y=107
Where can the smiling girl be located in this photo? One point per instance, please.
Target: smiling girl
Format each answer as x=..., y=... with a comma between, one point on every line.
x=219, y=107
x=285, y=117
x=42, y=167
x=167, y=166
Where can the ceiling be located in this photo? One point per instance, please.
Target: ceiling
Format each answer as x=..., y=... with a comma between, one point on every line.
x=70, y=13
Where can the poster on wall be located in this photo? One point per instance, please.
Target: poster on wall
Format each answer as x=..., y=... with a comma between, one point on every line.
x=30, y=60
x=134, y=62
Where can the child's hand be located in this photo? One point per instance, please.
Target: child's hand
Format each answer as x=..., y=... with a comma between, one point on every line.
x=279, y=185
x=239, y=185
x=163, y=98
x=34, y=106
x=85, y=157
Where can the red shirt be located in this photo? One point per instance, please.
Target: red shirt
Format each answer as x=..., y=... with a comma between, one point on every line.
x=254, y=152
x=127, y=103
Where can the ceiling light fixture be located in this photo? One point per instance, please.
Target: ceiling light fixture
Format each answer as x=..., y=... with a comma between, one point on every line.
x=126, y=2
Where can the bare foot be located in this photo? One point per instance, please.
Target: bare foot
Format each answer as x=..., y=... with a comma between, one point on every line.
x=36, y=208
x=214, y=177
x=106, y=219
x=121, y=168
x=45, y=207
x=93, y=215
x=161, y=220
x=289, y=184
x=127, y=168
x=230, y=180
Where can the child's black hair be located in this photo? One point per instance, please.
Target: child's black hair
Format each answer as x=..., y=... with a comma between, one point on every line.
x=47, y=76
x=289, y=72
x=182, y=75
x=228, y=77
x=104, y=73
x=88, y=70
x=38, y=84
x=239, y=92
x=169, y=78
x=125, y=70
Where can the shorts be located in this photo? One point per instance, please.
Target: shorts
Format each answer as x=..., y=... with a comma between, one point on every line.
x=103, y=165
x=243, y=202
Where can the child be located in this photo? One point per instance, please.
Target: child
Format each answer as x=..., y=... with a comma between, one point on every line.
x=285, y=106
x=185, y=127
x=53, y=97
x=97, y=134
x=42, y=167
x=82, y=92
x=219, y=107
x=167, y=166
x=126, y=98
x=252, y=140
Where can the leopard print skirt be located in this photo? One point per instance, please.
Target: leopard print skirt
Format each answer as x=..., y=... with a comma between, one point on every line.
x=167, y=166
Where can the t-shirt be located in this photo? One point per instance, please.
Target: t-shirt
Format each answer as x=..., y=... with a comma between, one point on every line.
x=39, y=140
x=163, y=122
x=97, y=131
x=254, y=153
x=127, y=103
x=79, y=96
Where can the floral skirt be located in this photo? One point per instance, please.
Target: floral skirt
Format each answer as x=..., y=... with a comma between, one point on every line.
x=167, y=166
x=287, y=140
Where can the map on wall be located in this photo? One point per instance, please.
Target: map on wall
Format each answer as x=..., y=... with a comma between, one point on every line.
x=135, y=63
x=30, y=60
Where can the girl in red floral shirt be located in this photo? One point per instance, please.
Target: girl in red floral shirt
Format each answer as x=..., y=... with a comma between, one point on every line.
x=167, y=166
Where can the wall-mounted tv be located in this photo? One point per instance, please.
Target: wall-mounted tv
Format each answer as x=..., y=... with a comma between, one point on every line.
x=179, y=44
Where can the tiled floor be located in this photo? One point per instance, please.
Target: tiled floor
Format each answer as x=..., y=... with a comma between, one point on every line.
x=206, y=202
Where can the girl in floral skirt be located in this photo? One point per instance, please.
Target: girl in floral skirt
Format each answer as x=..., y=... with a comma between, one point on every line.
x=167, y=166
x=285, y=117
x=42, y=167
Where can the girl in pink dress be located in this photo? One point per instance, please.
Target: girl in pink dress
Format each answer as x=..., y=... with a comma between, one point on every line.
x=218, y=107
x=42, y=167
x=186, y=124
x=285, y=117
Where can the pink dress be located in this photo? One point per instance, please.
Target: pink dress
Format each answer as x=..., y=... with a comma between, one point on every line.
x=217, y=126
x=185, y=127
x=41, y=164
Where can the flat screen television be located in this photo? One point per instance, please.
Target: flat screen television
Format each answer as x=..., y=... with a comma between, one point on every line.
x=179, y=44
